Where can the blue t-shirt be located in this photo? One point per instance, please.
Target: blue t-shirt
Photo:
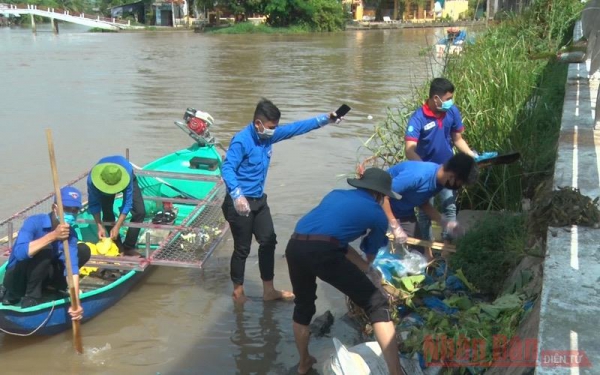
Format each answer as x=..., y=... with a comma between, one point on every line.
x=433, y=134
x=347, y=215
x=94, y=202
x=248, y=157
x=36, y=227
x=416, y=181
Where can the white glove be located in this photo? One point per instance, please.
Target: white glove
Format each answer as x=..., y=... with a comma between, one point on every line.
x=241, y=205
x=400, y=236
x=453, y=228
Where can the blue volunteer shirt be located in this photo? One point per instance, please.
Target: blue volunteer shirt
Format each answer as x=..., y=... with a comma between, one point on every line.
x=36, y=227
x=433, y=134
x=248, y=157
x=94, y=205
x=416, y=181
x=346, y=215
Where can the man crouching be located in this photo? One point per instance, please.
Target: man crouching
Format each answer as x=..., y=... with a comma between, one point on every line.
x=37, y=259
x=319, y=248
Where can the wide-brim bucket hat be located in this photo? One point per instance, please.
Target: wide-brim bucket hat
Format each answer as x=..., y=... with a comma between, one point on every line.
x=375, y=179
x=110, y=178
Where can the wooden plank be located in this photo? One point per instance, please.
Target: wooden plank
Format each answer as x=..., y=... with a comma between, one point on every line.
x=434, y=245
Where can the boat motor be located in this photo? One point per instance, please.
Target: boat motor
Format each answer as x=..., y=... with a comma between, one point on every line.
x=196, y=125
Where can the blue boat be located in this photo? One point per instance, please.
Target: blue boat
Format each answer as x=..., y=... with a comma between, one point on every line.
x=453, y=42
x=186, y=184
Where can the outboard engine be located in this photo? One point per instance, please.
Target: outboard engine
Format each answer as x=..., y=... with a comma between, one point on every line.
x=197, y=124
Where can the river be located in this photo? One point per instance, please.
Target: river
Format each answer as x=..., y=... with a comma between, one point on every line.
x=101, y=93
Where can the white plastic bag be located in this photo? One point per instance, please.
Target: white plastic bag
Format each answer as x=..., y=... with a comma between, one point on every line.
x=362, y=359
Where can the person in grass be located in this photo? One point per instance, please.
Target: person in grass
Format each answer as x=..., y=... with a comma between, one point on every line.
x=432, y=132
x=418, y=182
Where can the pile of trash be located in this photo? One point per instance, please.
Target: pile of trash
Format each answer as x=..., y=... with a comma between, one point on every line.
x=562, y=207
x=430, y=302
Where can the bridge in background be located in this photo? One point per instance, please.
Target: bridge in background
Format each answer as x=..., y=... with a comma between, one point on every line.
x=96, y=21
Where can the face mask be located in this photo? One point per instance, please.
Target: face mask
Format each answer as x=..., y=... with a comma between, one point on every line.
x=70, y=219
x=445, y=105
x=266, y=133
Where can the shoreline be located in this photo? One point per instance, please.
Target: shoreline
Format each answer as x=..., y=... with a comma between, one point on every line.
x=354, y=26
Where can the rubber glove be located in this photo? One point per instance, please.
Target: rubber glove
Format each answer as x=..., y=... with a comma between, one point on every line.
x=240, y=203
x=453, y=228
x=400, y=236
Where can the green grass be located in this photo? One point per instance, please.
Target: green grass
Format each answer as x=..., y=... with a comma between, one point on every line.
x=490, y=250
x=250, y=28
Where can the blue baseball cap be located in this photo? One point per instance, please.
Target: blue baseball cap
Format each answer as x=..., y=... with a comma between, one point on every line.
x=71, y=197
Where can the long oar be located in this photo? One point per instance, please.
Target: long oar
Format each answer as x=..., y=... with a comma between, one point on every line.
x=77, y=344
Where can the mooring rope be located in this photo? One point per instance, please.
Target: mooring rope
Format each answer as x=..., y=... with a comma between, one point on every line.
x=35, y=330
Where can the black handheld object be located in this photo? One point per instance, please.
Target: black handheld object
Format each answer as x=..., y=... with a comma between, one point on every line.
x=507, y=158
x=342, y=111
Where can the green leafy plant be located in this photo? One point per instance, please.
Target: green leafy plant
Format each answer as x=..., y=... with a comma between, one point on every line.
x=490, y=250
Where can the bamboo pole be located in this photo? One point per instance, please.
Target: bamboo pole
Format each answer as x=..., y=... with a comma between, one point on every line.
x=434, y=245
x=77, y=344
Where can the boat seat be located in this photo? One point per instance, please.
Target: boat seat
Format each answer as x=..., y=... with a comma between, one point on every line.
x=203, y=163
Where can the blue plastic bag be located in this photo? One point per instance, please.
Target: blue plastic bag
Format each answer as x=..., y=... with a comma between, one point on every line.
x=439, y=306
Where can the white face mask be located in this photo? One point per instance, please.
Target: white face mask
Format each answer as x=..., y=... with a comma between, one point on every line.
x=266, y=133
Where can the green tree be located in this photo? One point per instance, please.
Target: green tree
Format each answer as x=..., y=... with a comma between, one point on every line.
x=320, y=15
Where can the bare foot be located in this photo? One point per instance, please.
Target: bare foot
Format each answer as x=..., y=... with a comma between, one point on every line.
x=304, y=367
x=239, y=298
x=277, y=294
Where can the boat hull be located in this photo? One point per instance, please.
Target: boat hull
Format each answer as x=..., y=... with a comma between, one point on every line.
x=52, y=317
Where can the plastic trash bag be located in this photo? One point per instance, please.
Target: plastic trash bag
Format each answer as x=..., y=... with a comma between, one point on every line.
x=439, y=306
x=361, y=359
x=414, y=262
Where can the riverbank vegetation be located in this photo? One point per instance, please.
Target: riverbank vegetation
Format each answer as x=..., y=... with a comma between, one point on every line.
x=281, y=16
x=511, y=100
x=249, y=28
x=288, y=16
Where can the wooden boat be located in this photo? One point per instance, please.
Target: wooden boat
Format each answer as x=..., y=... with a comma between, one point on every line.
x=187, y=184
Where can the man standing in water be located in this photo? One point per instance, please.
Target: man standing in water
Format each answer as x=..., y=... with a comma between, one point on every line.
x=431, y=133
x=319, y=248
x=244, y=171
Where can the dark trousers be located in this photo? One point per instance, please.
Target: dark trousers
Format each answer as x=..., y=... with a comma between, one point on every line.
x=410, y=226
x=138, y=213
x=308, y=260
x=28, y=277
x=260, y=224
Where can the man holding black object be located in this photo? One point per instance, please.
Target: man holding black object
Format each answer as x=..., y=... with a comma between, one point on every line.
x=245, y=208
